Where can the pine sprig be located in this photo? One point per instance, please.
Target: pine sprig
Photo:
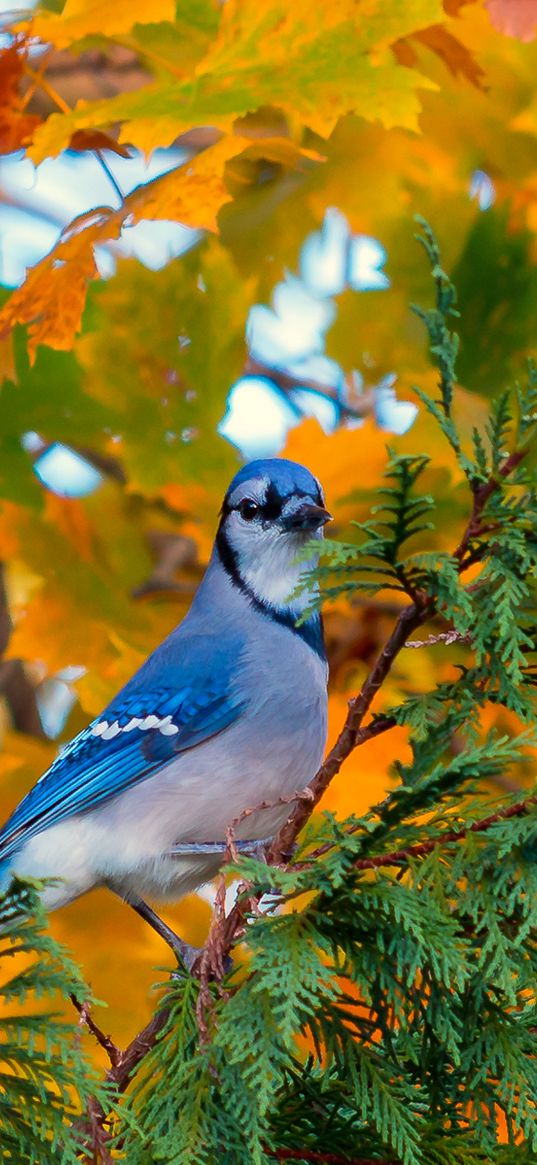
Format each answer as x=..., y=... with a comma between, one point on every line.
x=45, y=1077
x=444, y=344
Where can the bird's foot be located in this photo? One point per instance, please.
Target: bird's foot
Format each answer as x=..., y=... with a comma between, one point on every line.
x=188, y=956
x=184, y=952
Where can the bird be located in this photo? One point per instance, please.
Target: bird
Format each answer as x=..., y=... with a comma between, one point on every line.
x=228, y=712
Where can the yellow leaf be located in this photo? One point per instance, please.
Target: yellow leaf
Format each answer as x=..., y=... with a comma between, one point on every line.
x=80, y=19
x=192, y=195
x=316, y=63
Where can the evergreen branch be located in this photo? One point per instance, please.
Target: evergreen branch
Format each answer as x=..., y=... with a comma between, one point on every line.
x=324, y=1158
x=482, y=492
x=403, y=856
x=444, y=344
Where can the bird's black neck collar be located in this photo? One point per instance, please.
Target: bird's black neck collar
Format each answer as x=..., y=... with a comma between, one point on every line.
x=311, y=630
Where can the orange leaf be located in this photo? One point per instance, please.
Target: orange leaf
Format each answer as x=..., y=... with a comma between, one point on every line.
x=455, y=55
x=16, y=127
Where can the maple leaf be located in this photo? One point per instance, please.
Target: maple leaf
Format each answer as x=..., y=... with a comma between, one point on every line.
x=16, y=126
x=314, y=63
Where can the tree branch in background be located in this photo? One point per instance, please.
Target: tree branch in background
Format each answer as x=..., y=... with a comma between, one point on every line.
x=15, y=686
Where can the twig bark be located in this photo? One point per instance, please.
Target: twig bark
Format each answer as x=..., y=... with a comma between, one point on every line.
x=482, y=493
x=86, y=1019
x=446, y=637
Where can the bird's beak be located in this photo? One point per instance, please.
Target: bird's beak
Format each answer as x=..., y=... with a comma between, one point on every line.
x=307, y=517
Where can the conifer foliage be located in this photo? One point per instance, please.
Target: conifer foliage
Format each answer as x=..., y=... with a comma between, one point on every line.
x=45, y=1077
x=388, y=1011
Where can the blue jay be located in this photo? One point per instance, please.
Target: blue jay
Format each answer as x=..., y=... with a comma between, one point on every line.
x=228, y=712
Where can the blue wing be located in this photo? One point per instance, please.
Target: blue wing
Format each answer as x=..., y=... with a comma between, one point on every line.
x=139, y=733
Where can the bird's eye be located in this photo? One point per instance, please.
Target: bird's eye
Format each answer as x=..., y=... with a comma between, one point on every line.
x=248, y=509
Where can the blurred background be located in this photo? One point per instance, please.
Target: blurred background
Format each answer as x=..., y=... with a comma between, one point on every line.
x=191, y=279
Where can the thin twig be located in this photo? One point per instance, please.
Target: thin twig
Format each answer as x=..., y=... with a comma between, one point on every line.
x=43, y=83
x=113, y=1052
x=447, y=637
x=120, y=1074
x=481, y=496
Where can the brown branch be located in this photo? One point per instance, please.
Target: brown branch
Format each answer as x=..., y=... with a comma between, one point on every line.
x=120, y=1073
x=482, y=493
x=364, y=404
x=90, y=1127
x=86, y=1019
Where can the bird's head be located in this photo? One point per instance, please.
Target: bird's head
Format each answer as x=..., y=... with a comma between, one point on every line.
x=271, y=509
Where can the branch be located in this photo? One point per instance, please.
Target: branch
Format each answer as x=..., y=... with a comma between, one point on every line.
x=364, y=405
x=402, y=856
x=113, y=1052
x=447, y=637
x=353, y=734
x=120, y=1073
x=482, y=493
x=90, y=1127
